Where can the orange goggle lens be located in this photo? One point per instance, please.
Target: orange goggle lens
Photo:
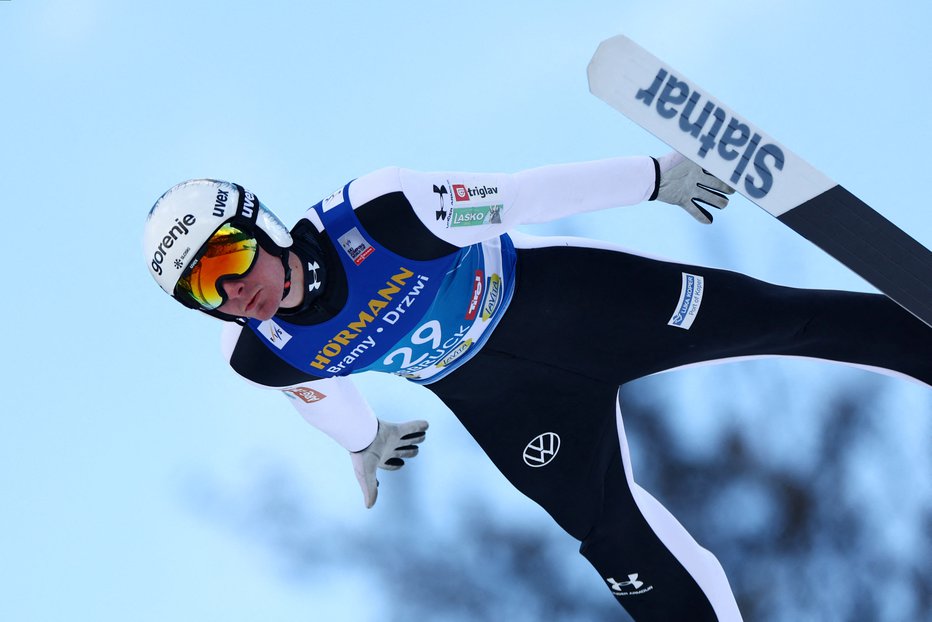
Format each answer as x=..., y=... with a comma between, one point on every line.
x=230, y=252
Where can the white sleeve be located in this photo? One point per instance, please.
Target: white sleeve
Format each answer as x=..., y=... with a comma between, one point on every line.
x=337, y=408
x=332, y=405
x=441, y=200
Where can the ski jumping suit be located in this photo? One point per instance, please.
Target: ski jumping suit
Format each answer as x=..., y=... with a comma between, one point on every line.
x=528, y=339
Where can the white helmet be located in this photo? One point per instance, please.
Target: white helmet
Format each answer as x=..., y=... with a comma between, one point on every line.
x=186, y=216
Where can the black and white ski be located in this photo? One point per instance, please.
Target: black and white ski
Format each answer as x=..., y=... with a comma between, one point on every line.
x=683, y=115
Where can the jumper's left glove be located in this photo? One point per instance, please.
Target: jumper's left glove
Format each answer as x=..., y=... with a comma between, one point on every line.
x=392, y=443
x=681, y=182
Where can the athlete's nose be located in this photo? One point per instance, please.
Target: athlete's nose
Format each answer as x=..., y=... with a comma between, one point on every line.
x=234, y=288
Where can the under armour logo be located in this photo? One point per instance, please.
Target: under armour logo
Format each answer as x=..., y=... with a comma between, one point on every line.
x=313, y=267
x=542, y=450
x=441, y=213
x=632, y=581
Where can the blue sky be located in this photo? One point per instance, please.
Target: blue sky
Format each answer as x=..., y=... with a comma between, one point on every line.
x=116, y=400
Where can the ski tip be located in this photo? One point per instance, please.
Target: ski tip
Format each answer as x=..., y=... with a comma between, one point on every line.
x=604, y=61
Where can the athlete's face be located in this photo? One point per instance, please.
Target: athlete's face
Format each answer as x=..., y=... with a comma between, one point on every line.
x=259, y=293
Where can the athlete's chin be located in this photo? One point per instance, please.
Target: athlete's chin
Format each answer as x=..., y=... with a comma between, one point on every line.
x=263, y=314
x=265, y=311
x=264, y=307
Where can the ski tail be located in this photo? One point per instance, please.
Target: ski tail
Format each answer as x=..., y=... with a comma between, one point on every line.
x=680, y=113
x=852, y=232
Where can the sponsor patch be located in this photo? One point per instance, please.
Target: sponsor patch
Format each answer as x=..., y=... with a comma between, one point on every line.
x=457, y=352
x=441, y=191
x=355, y=246
x=308, y=396
x=220, y=203
x=333, y=200
x=276, y=335
x=339, y=345
x=177, y=230
x=690, y=300
x=542, y=450
x=632, y=587
x=181, y=259
x=492, y=297
x=461, y=193
x=476, y=300
x=479, y=215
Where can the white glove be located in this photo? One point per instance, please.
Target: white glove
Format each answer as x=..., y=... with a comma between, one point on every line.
x=392, y=443
x=681, y=182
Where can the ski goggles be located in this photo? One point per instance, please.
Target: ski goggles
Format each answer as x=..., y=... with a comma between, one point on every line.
x=229, y=253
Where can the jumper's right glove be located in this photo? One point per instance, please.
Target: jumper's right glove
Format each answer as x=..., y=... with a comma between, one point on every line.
x=392, y=443
x=681, y=182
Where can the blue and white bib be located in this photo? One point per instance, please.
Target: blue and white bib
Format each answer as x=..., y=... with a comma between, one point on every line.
x=416, y=319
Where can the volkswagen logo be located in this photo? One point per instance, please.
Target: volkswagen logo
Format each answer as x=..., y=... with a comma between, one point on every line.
x=542, y=450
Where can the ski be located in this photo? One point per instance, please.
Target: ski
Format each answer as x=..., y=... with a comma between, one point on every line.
x=680, y=113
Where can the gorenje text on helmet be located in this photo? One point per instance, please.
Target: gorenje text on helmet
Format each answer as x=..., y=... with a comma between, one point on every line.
x=178, y=229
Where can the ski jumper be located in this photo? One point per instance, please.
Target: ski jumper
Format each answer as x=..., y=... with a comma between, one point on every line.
x=527, y=340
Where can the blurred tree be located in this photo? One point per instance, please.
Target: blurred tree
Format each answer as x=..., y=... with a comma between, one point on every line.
x=801, y=536
x=797, y=543
x=480, y=569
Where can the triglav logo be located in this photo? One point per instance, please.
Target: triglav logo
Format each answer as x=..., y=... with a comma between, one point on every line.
x=542, y=450
x=462, y=193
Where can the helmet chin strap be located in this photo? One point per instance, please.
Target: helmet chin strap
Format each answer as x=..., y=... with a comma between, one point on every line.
x=287, y=273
